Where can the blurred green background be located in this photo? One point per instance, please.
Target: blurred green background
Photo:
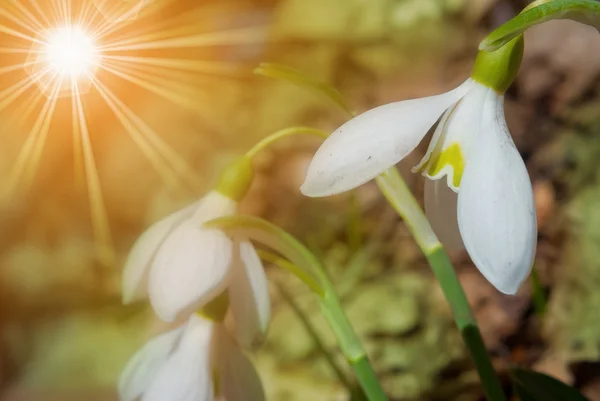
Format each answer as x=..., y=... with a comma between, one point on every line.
x=63, y=332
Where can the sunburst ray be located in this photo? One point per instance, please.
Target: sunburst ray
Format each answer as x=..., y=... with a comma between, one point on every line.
x=23, y=170
x=98, y=213
x=174, y=170
x=148, y=56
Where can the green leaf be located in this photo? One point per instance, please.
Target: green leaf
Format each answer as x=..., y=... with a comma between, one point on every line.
x=584, y=11
x=523, y=394
x=303, y=263
x=535, y=386
x=538, y=295
x=292, y=268
x=299, y=78
x=259, y=230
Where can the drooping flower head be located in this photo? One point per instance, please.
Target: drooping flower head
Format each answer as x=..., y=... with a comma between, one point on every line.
x=198, y=361
x=471, y=147
x=181, y=266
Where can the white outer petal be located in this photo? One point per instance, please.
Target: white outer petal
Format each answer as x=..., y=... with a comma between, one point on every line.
x=187, y=374
x=249, y=296
x=238, y=379
x=135, y=273
x=441, y=210
x=191, y=268
x=143, y=367
x=460, y=125
x=374, y=141
x=496, y=212
x=193, y=264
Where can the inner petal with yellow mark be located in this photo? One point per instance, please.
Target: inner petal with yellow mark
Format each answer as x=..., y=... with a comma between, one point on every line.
x=454, y=137
x=449, y=161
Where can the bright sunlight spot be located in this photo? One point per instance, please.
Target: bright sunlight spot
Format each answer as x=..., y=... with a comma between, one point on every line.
x=71, y=52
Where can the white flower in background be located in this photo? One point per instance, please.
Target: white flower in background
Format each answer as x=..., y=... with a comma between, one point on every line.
x=182, y=266
x=198, y=361
x=471, y=146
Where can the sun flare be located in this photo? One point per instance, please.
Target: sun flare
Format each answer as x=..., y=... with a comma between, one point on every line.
x=96, y=54
x=70, y=51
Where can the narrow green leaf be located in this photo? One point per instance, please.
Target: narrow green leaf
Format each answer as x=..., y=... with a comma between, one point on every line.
x=274, y=237
x=292, y=268
x=262, y=231
x=299, y=78
x=284, y=133
x=584, y=11
x=540, y=387
x=522, y=393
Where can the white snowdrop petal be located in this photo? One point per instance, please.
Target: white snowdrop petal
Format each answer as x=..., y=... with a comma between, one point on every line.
x=187, y=374
x=435, y=139
x=238, y=379
x=135, y=273
x=453, y=141
x=191, y=267
x=496, y=212
x=249, y=296
x=374, y=141
x=143, y=367
x=441, y=210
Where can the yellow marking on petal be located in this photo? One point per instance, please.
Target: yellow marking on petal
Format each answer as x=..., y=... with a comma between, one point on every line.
x=452, y=156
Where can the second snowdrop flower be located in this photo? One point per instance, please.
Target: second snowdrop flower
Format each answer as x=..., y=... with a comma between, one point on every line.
x=181, y=266
x=198, y=361
x=471, y=147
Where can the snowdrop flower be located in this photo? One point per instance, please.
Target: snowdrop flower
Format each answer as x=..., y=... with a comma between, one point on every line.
x=198, y=361
x=471, y=147
x=181, y=266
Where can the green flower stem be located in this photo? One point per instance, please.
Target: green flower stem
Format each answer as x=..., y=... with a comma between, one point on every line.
x=274, y=237
x=312, y=332
x=453, y=291
x=283, y=134
x=399, y=196
x=397, y=193
x=351, y=346
x=296, y=77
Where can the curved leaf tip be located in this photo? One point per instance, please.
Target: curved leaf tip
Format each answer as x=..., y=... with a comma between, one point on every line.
x=584, y=11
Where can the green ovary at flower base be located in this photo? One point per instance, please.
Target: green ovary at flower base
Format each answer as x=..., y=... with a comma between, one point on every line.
x=471, y=147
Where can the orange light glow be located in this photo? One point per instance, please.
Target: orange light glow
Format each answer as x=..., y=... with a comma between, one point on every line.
x=97, y=53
